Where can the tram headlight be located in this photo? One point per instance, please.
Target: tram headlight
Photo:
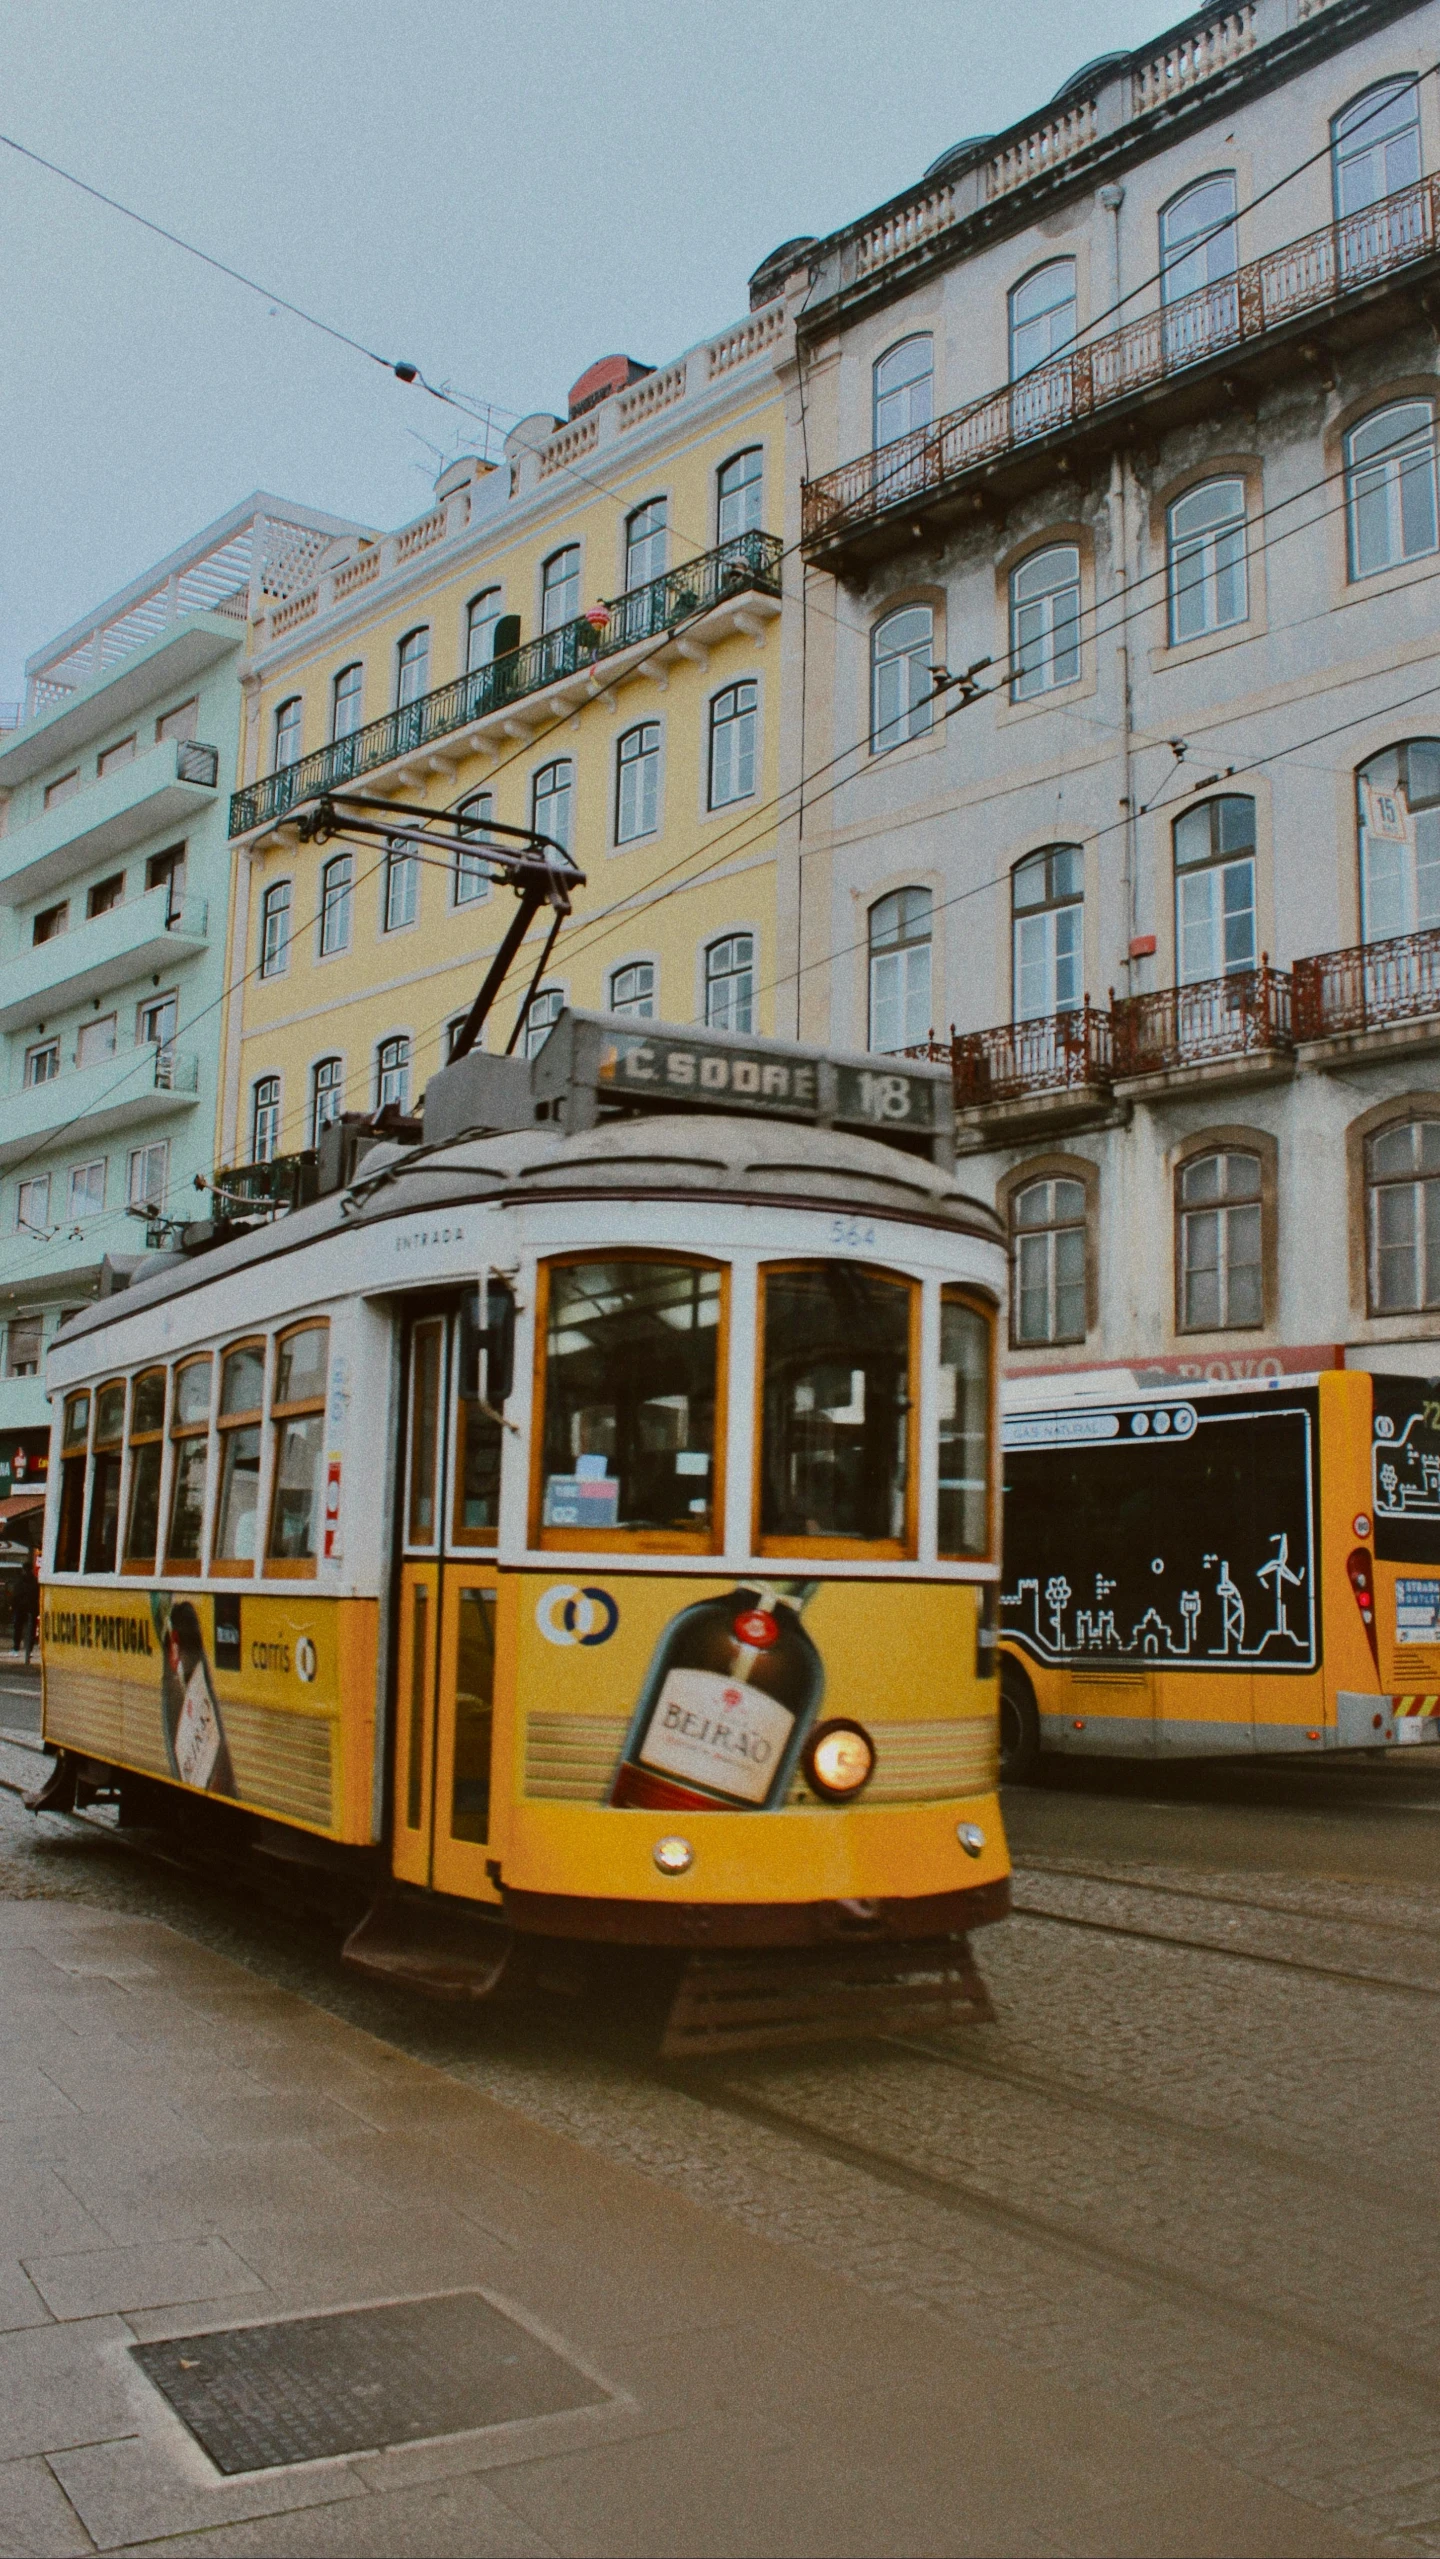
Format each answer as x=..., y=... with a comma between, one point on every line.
x=673, y=1856
x=839, y=1759
x=971, y=1837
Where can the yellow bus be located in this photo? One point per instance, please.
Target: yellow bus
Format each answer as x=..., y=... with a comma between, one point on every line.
x=1220, y=1569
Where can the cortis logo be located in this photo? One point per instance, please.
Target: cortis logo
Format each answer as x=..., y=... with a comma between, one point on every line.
x=565, y=1614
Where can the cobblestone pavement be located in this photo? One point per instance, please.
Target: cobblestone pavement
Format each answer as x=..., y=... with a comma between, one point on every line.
x=1193, y=2166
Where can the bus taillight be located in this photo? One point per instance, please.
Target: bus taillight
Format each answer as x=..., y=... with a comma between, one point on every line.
x=1362, y=1581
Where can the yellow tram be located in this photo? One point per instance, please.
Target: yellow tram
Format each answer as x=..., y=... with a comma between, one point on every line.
x=585, y=1519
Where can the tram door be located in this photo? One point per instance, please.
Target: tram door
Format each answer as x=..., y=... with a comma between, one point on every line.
x=445, y=1639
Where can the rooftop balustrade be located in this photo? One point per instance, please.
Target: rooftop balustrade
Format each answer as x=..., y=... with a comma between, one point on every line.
x=750, y=562
x=1225, y=321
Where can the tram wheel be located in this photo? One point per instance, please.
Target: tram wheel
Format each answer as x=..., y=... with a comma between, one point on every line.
x=1019, y=1727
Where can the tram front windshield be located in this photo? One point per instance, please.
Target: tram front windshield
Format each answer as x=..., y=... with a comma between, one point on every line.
x=630, y=1390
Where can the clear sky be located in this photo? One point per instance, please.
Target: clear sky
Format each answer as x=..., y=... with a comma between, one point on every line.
x=499, y=193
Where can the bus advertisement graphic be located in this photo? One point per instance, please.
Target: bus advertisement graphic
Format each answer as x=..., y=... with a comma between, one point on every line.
x=1174, y=1535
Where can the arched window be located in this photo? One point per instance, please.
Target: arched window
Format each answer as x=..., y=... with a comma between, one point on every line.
x=275, y=929
x=327, y=1094
x=481, y=615
x=1047, y=1245
x=337, y=886
x=1198, y=258
x=1390, y=487
x=412, y=667
x=346, y=697
x=901, y=684
x=1215, y=889
x=472, y=877
x=1045, y=621
x=1042, y=316
x=904, y=381
x=644, y=544
x=739, y=494
x=552, y=795
x=560, y=588
x=392, y=1073
x=1398, y=795
x=288, y=719
x=734, y=725
x=637, y=782
x=1402, y=1171
x=632, y=989
x=402, y=887
x=730, y=983
x=1047, y=893
x=1218, y=1243
x=1375, y=146
x=1205, y=559
x=899, y=971
x=541, y=1015
x=265, y=1119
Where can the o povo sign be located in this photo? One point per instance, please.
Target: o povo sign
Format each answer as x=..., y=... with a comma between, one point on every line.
x=568, y=1614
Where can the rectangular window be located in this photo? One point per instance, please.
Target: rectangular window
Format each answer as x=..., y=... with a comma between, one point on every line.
x=190, y=1438
x=645, y=544
x=147, y=1174
x=112, y=757
x=95, y=1041
x=50, y=923
x=105, y=894
x=265, y=1120
x=472, y=878
x=637, y=783
x=275, y=929
x=838, y=1418
x=182, y=722
x=87, y=1188
x=72, y=1483
x=64, y=789
x=336, y=882
x=560, y=588
x=32, y=1205
x=481, y=616
x=42, y=1064
x=167, y=871
x=734, y=722
x=730, y=983
x=157, y=1020
x=632, y=989
x=242, y=1392
x=24, y=1337
x=327, y=1095
x=347, y=701
x=147, y=1429
x=427, y=1368
x=964, y=1455
x=402, y=890
x=632, y=1425
x=475, y=1514
x=299, y=1432
x=288, y=720
x=102, y=1534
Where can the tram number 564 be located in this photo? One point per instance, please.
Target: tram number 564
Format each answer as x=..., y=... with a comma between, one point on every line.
x=852, y=1234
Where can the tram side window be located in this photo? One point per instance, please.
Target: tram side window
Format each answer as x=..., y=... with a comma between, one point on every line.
x=427, y=1369
x=632, y=1382
x=72, y=1483
x=836, y=1457
x=299, y=1423
x=242, y=1392
x=964, y=1506
x=147, y=1449
x=103, y=1532
x=190, y=1435
x=475, y=1515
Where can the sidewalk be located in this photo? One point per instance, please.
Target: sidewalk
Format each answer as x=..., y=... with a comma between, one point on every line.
x=187, y=2149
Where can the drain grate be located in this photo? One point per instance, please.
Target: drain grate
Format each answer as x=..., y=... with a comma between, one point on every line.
x=356, y=2380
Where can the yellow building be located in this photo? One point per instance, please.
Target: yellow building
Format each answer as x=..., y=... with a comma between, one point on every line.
x=582, y=639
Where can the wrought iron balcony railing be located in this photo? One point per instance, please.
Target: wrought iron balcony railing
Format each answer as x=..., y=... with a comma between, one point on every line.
x=1050, y=1054
x=1369, y=987
x=1305, y=276
x=1219, y=1018
x=749, y=562
x=197, y=763
x=281, y=1182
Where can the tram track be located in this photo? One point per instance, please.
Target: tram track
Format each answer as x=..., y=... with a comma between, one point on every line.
x=1227, y=1901
x=1388, y=1982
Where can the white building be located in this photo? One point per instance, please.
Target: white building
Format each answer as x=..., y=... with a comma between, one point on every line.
x=1131, y=412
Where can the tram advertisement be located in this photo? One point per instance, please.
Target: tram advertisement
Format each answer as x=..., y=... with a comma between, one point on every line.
x=231, y=1694
x=1179, y=1535
x=1407, y=1476
x=631, y=1700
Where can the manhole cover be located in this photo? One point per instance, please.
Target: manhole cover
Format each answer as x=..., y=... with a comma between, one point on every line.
x=354, y=2380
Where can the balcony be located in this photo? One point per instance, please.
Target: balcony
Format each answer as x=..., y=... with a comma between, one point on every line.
x=1376, y=994
x=167, y=787
x=1164, y=365
x=121, y=1092
x=1049, y=1073
x=1206, y=1032
x=142, y=937
x=560, y=669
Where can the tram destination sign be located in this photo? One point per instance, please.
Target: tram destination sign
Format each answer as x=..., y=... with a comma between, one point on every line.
x=597, y=1063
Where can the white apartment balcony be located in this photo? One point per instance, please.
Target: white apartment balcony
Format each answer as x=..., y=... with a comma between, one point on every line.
x=125, y=1091
x=166, y=787
x=133, y=940
x=23, y=1407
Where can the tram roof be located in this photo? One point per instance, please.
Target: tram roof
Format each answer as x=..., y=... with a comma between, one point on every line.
x=661, y=1156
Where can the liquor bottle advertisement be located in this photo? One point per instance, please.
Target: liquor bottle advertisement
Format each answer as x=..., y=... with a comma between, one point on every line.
x=687, y=1693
